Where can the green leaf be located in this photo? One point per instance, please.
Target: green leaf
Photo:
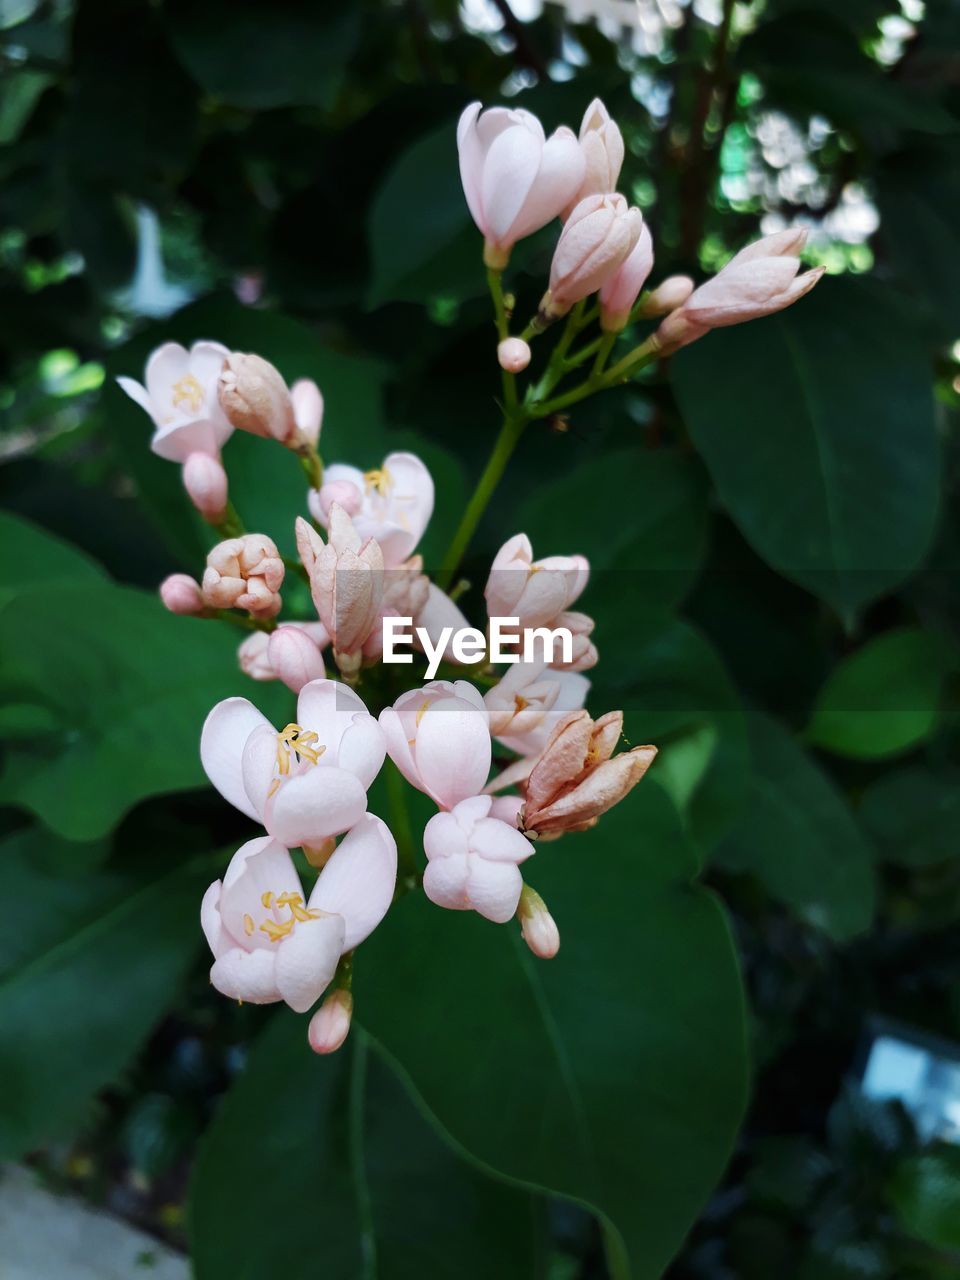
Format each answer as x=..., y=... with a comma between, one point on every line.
x=883, y=699
x=926, y=1197
x=34, y=558
x=585, y=1074
x=129, y=686
x=914, y=815
x=817, y=427
x=799, y=839
x=87, y=966
x=656, y=554
x=289, y=54
x=332, y=1154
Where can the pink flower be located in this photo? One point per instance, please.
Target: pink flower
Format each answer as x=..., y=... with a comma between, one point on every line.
x=515, y=179
x=393, y=503
x=620, y=292
x=439, y=739
x=602, y=145
x=181, y=594
x=244, y=573
x=529, y=701
x=206, y=484
x=577, y=778
x=305, y=783
x=268, y=943
x=181, y=397
x=598, y=237
x=472, y=861
x=295, y=657
x=759, y=281
x=255, y=398
x=513, y=355
x=307, y=403
x=346, y=582
x=534, y=591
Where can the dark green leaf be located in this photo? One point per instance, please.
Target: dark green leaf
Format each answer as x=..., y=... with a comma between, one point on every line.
x=34, y=558
x=926, y=1197
x=913, y=815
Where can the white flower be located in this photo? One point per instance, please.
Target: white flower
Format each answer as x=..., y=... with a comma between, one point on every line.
x=181, y=397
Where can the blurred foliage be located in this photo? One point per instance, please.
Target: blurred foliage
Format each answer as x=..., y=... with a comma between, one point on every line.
x=772, y=521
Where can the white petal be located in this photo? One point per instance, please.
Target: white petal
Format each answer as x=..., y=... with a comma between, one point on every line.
x=317, y=804
x=453, y=750
x=497, y=841
x=445, y=882
x=509, y=171
x=307, y=960
x=398, y=746
x=562, y=167
x=218, y=940
x=328, y=708
x=222, y=741
x=359, y=880
x=179, y=439
x=259, y=767
x=166, y=364
x=137, y=393
x=444, y=837
x=260, y=866
x=494, y=889
x=247, y=975
x=362, y=749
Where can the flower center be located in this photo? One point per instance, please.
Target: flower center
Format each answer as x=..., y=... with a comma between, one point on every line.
x=292, y=741
x=277, y=930
x=379, y=481
x=188, y=394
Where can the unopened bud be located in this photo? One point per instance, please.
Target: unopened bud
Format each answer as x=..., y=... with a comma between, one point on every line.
x=254, y=657
x=206, y=483
x=513, y=354
x=672, y=293
x=330, y=1025
x=599, y=235
x=537, y=925
x=255, y=398
x=344, y=492
x=307, y=409
x=294, y=657
x=181, y=594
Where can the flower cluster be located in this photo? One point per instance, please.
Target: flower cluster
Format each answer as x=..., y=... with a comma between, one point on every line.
x=508, y=765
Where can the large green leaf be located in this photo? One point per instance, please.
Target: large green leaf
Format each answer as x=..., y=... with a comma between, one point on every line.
x=117, y=689
x=88, y=964
x=914, y=815
x=799, y=839
x=35, y=558
x=817, y=427
x=585, y=1074
x=656, y=553
x=332, y=1154
x=883, y=699
x=925, y=1191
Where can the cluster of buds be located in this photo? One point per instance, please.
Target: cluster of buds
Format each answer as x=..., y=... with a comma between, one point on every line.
x=306, y=785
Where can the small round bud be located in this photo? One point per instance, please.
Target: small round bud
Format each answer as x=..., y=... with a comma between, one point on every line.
x=181, y=594
x=513, y=354
x=254, y=657
x=206, y=483
x=344, y=492
x=330, y=1025
x=537, y=925
x=672, y=293
x=294, y=657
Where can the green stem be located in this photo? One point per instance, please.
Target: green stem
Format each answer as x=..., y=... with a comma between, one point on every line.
x=312, y=465
x=230, y=526
x=408, y=876
x=603, y=351
x=495, y=283
x=619, y=372
x=245, y=621
x=506, y=442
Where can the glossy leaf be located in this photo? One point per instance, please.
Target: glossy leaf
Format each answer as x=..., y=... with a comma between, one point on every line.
x=914, y=815
x=926, y=1197
x=582, y=1075
x=798, y=837
x=817, y=427
x=34, y=558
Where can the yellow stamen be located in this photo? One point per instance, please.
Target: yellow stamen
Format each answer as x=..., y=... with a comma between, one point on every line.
x=298, y=741
x=519, y=703
x=248, y=925
x=275, y=931
x=187, y=394
x=423, y=710
x=267, y=899
x=295, y=903
x=380, y=480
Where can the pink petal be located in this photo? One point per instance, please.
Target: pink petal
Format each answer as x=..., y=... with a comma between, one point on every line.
x=453, y=750
x=249, y=976
x=222, y=741
x=494, y=888
x=358, y=881
x=218, y=940
x=258, y=867
x=498, y=841
x=307, y=959
x=314, y=805
x=509, y=171
x=562, y=169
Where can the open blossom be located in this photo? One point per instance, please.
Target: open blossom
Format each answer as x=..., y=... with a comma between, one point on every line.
x=515, y=179
x=439, y=739
x=346, y=582
x=181, y=397
x=527, y=704
x=309, y=781
x=597, y=238
x=393, y=503
x=244, y=573
x=472, y=861
x=602, y=145
x=622, y=289
x=760, y=280
x=269, y=943
x=534, y=591
x=577, y=778
x=307, y=401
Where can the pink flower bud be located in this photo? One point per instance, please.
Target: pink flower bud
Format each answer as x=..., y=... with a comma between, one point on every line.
x=537, y=925
x=244, y=573
x=307, y=403
x=623, y=288
x=472, y=861
x=344, y=492
x=255, y=398
x=254, y=658
x=294, y=657
x=602, y=145
x=180, y=594
x=515, y=179
x=330, y=1025
x=667, y=297
x=206, y=483
x=599, y=235
x=346, y=583
x=513, y=354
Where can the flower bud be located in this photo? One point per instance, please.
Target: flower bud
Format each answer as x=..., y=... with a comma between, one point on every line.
x=294, y=657
x=244, y=573
x=180, y=594
x=255, y=398
x=330, y=1025
x=602, y=145
x=346, y=583
x=623, y=288
x=343, y=492
x=672, y=293
x=206, y=483
x=599, y=235
x=513, y=354
x=307, y=401
x=254, y=658
x=537, y=925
